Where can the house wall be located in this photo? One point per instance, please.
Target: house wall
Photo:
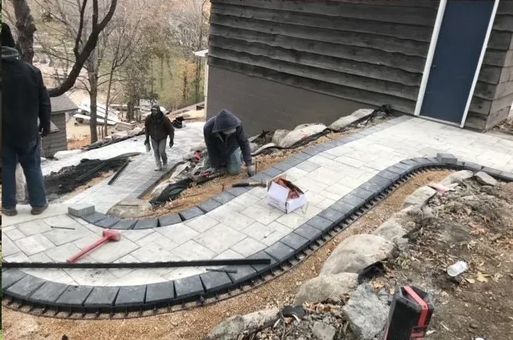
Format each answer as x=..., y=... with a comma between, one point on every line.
x=56, y=141
x=355, y=52
x=494, y=91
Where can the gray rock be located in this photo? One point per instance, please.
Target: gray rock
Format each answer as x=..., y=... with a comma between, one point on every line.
x=323, y=331
x=299, y=133
x=130, y=208
x=457, y=177
x=392, y=231
x=357, y=252
x=420, y=197
x=485, y=179
x=366, y=313
x=232, y=327
x=279, y=135
x=352, y=118
x=326, y=287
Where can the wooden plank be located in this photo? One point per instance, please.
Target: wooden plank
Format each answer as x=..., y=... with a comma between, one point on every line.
x=387, y=13
x=496, y=57
x=365, y=55
x=245, y=28
x=503, y=23
x=349, y=66
x=412, y=32
x=500, y=40
x=328, y=76
x=485, y=106
x=363, y=96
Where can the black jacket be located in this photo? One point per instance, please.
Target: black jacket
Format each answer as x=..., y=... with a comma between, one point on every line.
x=24, y=100
x=159, y=127
x=219, y=146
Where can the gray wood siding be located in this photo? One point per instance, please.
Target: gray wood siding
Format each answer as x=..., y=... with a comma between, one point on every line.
x=56, y=141
x=493, y=95
x=361, y=51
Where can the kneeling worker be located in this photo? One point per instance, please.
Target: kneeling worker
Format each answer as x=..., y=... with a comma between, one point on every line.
x=158, y=127
x=226, y=140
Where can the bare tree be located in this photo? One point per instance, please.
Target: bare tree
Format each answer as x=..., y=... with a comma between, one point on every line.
x=26, y=28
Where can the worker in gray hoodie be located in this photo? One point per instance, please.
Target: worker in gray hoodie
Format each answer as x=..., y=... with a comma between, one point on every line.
x=227, y=144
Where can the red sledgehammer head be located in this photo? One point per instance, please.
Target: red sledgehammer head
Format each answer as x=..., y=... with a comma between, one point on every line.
x=112, y=235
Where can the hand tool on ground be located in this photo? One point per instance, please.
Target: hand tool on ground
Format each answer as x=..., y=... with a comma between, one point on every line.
x=108, y=236
x=249, y=184
x=67, y=228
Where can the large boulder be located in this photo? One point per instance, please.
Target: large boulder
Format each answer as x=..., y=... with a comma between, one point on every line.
x=278, y=136
x=366, y=313
x=393, y=231
x=326, y=287
x=354, y=117
x=420, y=197
x=236, y=325
x=299, y=133
x=357, y=252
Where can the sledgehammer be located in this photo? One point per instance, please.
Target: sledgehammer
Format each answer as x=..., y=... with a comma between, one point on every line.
x=108, y=235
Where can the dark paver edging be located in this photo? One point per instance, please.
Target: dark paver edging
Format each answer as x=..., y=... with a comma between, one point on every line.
x=107, y=221
x=29, y=289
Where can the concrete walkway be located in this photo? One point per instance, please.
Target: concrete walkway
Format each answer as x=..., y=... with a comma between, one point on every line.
x=246, y=224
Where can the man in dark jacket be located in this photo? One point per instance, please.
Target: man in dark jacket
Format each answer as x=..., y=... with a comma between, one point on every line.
x=158, y=127
x=225, y=139
x=25, y=101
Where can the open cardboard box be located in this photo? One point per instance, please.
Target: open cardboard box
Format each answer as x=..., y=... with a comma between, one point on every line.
x=284, y=195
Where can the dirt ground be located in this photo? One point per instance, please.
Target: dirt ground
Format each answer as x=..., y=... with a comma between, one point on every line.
x=472, y=224
x=79, y=135
x=198, y=322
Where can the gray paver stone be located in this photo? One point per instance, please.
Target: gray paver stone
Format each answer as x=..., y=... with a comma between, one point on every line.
x=260, y=268
x=472, y=166
x=169, y=220
x=237, y=191
x=295, y=241
x=130, y=296
x=224, y=197
x=107, y=222
x=209, y=205
x=81, y=210
x=102, y=297
x=446, y=158
x=320, y=223
x=74, y=296
x=331, y=214
x=243, y=273
x=11, y=276
x=48, y=293
x=191, y=213
x=281, y=252
x=161, y=292
x=215, y=281
x=188, y=287
x=147, y=223
x=308, y=166
x=124, y=224
x=94, y=217
x=308, y=232
x=25, y=287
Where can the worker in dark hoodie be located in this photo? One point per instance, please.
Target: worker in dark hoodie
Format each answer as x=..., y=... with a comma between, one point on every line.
x=25, y=118
x=158, y=127
x=227, y=144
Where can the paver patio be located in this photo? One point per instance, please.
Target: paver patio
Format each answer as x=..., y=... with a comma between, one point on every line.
x=246, y=224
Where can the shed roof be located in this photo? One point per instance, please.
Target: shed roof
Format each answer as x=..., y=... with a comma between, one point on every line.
x=62, y=104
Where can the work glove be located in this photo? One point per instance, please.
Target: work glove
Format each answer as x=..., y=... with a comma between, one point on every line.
x=251, y=170
x=171, y=143
x=147, y=145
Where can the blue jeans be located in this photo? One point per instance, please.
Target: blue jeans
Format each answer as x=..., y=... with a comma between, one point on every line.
x=30, y=161
x=234, y=162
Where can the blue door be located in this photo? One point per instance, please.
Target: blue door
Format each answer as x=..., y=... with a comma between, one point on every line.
x=461, y=38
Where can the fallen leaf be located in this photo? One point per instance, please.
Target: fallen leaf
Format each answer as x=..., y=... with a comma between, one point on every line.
x=469, y=280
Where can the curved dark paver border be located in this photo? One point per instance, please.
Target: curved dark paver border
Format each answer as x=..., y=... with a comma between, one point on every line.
x=32, y=290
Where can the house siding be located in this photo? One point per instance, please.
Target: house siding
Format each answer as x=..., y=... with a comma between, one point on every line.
x=362, y=53
x=56, y=141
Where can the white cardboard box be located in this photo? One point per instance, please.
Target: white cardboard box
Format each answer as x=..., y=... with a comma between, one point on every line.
x=277, y=196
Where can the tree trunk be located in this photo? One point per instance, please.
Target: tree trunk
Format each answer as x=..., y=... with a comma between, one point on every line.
x=130, y=110
x=185, y=85
x=107, y=102
x=161, y=72
x=26, y=28
x=93, y=97
x=197, y=80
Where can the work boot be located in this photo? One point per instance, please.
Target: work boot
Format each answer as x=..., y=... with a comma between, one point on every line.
x=158, y=168
x=9, y=212
x=38, y=210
